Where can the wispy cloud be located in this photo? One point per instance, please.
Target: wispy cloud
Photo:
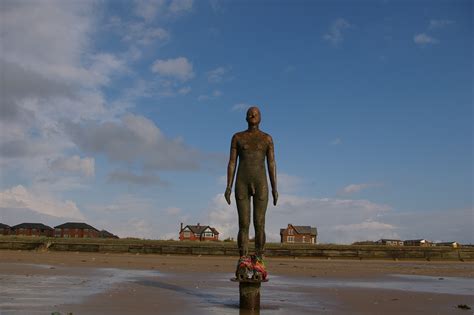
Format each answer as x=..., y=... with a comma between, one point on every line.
x=241, y=107
x=355, y=188
x=184, y=90
x=424, y=39
x=335, y=34
x=74, y=164
x=179, y=68
x=151, y=9
x=217, y=75
x=338, y=220
x=19, y=197
x=438, y=24
x=141, y=34
x=136, y=139
x=181, y=6
x=146, y=179
x=148, y=9
x=215, y=94
x=336, y=141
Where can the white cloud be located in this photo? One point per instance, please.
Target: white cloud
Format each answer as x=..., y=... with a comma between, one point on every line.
x=131, y=215
x=336, y=141
x=367, y=230
x=328, y=215
x=141, y=34
x=19, y=197
x=217, y=75
x=125, y=176
x=215, y=94
x=216, y=5
x=288, y=183
x=335, y=33
x=148, y=9
x=179, y=68
x=134, y=139
x=424, y=39
x=355, y=188
x=185, y=90
x=74, y=164
x=173, y=210
x=179, y=6
x=438, y=24
x=289, y=69
x=241, y=107
x=53, y=75
x=443, y=225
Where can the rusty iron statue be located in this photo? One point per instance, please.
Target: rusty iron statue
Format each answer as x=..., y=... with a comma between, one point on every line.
x=250, y=148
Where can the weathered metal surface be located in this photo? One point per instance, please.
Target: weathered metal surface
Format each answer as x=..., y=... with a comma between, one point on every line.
x=249, y=295
x=250, y=148
x=249, y=291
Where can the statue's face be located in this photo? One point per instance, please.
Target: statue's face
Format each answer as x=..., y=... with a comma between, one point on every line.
x=253, y=116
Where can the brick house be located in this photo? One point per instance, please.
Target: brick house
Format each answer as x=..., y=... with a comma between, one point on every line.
x=419, y=242
x=107, y=234
x=198, y=233
x=32, y=229
x=389, y=242
x=450, y=244
x=4, y=229
x=76, y=230
x=299, y=234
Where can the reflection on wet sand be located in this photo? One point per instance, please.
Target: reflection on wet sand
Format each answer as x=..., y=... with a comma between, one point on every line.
x=33, y=288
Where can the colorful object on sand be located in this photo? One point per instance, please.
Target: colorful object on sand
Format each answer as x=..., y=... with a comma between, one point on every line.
x=252, y=268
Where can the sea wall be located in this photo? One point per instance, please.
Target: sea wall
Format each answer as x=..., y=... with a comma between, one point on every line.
x=230, y=249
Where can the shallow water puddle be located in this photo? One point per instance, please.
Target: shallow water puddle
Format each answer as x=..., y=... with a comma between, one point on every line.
x=43, y=285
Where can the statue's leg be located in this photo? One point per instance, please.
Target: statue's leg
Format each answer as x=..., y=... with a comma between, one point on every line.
x=243, y=208
x=259, y=208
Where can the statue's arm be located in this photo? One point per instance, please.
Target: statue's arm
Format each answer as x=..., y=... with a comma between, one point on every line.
x=272, y=169
x=231, y=169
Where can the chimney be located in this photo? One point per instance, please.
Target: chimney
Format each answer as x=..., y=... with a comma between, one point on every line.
x=199, y=224
x=181, y=227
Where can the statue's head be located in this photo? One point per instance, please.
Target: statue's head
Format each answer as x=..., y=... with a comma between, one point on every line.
x=253, y=116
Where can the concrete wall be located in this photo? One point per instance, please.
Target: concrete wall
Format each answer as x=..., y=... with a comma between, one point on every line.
x=273, y=250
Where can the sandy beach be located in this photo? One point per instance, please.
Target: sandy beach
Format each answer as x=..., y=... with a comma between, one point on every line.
x=42, y=282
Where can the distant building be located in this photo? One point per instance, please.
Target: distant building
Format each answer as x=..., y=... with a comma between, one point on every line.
x=4, y=229
x=198, y=233
x=76, y=230
x=418, y=242
x=389, y=242
x=450, y=244
x=107, y=234
x=299, y=234
x=32, y=229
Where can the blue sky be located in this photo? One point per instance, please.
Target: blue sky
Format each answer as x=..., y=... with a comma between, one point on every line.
x=120, y=113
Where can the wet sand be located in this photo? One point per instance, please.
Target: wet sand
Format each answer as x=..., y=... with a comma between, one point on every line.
x=97, y=283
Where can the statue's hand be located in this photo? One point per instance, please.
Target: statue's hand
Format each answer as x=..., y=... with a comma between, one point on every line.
x=275, y=197
x=227, y=193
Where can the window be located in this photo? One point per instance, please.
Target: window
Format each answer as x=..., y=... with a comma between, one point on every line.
x=186, y=234
x=290, y=231
x=290, y=239
x=304, y=241
x=208, y=234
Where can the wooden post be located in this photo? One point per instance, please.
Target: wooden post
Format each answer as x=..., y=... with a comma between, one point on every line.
x=249, y=291
x=249, y=295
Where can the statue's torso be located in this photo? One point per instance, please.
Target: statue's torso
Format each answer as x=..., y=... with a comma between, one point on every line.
x=251, y=148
